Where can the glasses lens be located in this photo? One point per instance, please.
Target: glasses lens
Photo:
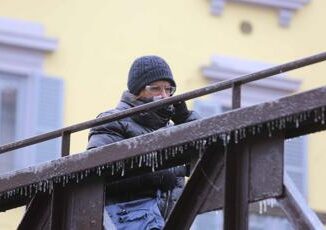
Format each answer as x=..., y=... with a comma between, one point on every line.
x=170, y=90
x=155, y=89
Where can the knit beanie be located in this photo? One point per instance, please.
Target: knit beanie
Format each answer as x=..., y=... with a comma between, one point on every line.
x=147, y=69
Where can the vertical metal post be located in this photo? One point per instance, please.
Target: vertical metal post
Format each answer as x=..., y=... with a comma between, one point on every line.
x=58, y=199
x=236, y=96
x=77, y=206
x=65, y=144
x=236, y=185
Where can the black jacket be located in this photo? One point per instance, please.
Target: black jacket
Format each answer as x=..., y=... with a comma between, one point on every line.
x=137, y=125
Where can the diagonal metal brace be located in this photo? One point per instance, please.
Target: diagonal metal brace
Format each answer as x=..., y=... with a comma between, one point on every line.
x=295, y=207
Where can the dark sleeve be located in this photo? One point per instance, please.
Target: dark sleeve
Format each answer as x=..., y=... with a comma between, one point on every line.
x=192, y=116
x=105, y=134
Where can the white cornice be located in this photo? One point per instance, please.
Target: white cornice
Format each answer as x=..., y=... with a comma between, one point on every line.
x=28, y=41
x=23, y=34
x=225, y=68
x=16, y=70
x=286, y=8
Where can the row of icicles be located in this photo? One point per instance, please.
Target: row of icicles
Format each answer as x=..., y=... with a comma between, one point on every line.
x=156, y=159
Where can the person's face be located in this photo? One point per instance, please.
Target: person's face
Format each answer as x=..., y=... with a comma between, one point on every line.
x=157, y=89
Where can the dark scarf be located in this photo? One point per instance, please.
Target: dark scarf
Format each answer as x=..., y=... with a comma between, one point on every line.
x=153, y=119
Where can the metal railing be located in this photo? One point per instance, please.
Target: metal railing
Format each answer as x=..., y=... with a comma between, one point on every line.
x=237, y=82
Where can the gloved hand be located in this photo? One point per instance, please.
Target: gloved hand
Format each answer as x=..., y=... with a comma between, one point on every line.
x=165, y=112
x=168, y=180
x=164, y=180
x=181, y=112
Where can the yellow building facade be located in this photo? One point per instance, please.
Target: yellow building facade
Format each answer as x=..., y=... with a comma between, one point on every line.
x=98, y=40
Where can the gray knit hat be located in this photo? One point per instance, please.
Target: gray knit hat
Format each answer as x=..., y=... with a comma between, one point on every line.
x=147, y=69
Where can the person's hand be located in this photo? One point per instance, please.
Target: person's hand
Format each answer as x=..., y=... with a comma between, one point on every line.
x=168, y=180
x=181, y=112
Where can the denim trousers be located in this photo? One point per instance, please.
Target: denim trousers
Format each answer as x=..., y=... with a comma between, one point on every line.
x=142, y=214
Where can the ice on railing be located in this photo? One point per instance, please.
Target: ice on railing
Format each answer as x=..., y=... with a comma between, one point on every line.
x=264, y=204
x=155, y=159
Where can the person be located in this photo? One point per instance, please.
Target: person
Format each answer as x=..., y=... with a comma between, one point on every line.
x=143, y=202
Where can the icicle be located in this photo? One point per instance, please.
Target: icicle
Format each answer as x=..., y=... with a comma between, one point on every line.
x=123, y=169
x=156, y=160
x=236, y=136
x=152, y=161
x=98, y=171
x=144, y=160
x=297, y=123
x=112, y=169
x=209, y=141
x=323, y=115
x=228, y=138
x=315, y=116
x=223, y=138
x=30, y=191
x=77, y=178
x=260, y=207
x=140, y=161
x=214, y=138
x=181, y=149
x=147, y=160
x=173, y=151
x=263, y=204
x=244, y=134
x=269, y=129
x=50, y=186
x=161, y=159
x=271, y=202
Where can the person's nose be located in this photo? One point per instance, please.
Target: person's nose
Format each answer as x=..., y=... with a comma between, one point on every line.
x=164, y=94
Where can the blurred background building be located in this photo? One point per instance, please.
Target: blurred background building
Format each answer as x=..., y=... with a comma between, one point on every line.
x=62, y=62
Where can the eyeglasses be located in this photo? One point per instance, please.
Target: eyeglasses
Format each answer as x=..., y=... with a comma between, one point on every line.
x=156, y=89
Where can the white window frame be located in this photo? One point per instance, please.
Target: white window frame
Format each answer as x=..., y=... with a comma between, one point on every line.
x=23, y=47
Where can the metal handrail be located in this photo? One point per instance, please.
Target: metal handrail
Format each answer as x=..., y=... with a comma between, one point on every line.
x=167, y=101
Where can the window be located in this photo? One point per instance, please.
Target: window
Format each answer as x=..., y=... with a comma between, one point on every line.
x=30, y=102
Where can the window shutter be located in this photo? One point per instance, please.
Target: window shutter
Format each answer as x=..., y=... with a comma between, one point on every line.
x=207, y=108
x=49, y=116
x=214, y=219
x=295, y=159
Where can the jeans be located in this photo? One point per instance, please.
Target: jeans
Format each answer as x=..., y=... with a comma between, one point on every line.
x=142, y=214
